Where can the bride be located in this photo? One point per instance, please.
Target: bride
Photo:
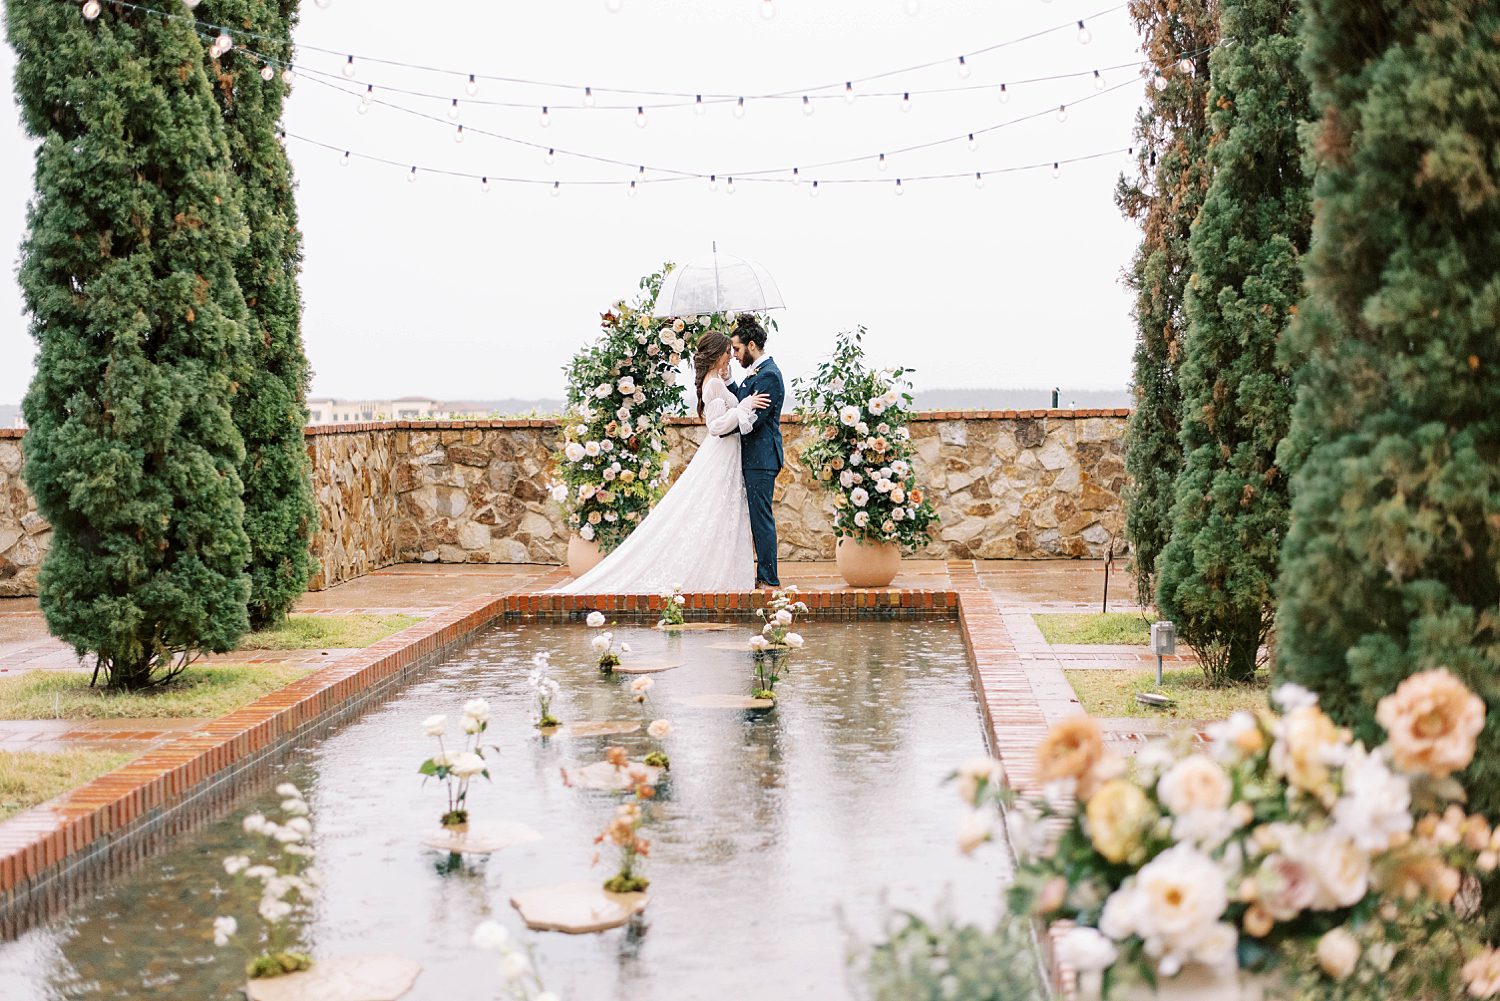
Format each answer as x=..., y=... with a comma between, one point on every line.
x=698, y=536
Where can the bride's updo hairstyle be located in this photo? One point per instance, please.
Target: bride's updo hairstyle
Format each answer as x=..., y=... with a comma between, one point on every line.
x=712, y=347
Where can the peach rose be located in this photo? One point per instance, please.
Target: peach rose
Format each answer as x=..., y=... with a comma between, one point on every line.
x=1433, y=720
x=1306, y=735
x=1338, y=953
x=1072, y=749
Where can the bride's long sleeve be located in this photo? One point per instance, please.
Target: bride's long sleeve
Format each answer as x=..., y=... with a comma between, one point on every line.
x=722, y=418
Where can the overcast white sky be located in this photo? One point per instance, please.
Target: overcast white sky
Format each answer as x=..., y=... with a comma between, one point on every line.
x=437, y=288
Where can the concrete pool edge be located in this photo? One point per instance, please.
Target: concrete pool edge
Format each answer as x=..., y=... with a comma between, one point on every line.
x=54, y=851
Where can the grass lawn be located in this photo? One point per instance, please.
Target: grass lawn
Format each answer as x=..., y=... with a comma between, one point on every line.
x=1112, y=693
x=200, y=692
x=1110, y=628
x=318, y=632
x=31, y=777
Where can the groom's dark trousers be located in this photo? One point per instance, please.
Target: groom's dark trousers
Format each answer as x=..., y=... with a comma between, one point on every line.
x=761, y=458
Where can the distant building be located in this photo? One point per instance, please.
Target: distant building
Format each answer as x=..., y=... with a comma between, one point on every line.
x=327, y=410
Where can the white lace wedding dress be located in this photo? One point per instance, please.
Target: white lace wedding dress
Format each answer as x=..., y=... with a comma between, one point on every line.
x=698, y=535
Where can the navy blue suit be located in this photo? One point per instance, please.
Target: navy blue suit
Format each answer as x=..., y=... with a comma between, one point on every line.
x=761, y=458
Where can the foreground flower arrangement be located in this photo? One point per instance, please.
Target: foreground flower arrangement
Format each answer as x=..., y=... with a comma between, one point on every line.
x=456, y=769
x=518, y=971
x=624, y=827
x=776, y=639
x=1286, y=851
x=545, y=687
x=609, y=655
x=286, y=880
x=860, y=447
x=612, y=465
x=672, y=603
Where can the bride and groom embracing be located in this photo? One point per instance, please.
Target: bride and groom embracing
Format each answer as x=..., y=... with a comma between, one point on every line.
x=714, y=530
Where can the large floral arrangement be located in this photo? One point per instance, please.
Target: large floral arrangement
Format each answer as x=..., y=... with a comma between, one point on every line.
x=1284, y=848
x=859, y=447
x=612, y=464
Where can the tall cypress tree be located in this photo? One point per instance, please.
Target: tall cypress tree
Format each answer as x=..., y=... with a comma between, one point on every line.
x=126, y=270
x=271, y=407
x=1215, y=577
x=1392, y=560
x=1172, y=176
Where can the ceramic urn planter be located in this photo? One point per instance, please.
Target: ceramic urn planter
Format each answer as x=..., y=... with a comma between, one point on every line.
x=866, y=564
x=583, y=556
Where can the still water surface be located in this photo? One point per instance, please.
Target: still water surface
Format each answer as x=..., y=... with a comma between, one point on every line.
x=779, y=835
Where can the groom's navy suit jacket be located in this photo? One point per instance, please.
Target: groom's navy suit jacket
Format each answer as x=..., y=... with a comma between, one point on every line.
x=761, y=448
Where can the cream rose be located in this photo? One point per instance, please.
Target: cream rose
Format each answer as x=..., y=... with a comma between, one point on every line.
x=1194, y=783
x=1433, y=720
x=1338, y=953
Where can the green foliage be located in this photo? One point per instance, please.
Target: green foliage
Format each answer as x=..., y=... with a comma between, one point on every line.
x=1392, y=561
x=859, y=442
x=127, y=274
x=1171, y=143
x=1107, y=628
x=1215, y=576
x=200, y=692
x=317, y=632
x=612, y=466
x=270, y=408
x=1106, y=693
x=942, y=960
x=31, y=777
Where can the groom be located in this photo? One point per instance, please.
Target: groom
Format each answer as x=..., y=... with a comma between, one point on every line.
x=760, y=450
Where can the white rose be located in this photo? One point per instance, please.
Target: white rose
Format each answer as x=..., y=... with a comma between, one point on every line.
x=1338, y=953
x=573, y=451
x=758, y=643
x=472, y=724
x=287, y=789
x=600, y=643
x=794, y=640
x=433, y=726
x=859, y=496
x=595, y=619
x=659, y=729
x=236, y=864
x=898, y=514
x=1194, y=783
x=491, y=935
x=223, y=928
x=640, y=685
x=846, y=479
x=1340, y=869
x=591, y=448
x=559, y=493
x=783, y=618
x=274, y=910
x=862, y=429
x=849, y=416
x=1376, y=804
x=877, y=406
x=467, y=765
x=1119, y=917
x=861, y=518
x=898, y=496
x=514, y=966
x=586, y=533
x=974, y=830
x=976, y=770
x=1182, y=895
x=1086, y=950
x=856, y=457
x=478, y=708
x=626, y=386
x=602, y=390
x=884, y=486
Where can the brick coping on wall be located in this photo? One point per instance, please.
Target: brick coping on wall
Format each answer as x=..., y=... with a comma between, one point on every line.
x=552, y=422
x=52, y=852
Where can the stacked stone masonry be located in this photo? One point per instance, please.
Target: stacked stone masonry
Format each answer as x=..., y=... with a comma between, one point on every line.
x=1007, y=485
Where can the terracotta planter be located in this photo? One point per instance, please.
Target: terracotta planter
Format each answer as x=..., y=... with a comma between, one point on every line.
x=583, y=556
x=865, y=564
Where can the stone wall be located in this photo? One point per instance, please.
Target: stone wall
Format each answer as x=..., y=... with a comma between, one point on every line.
x=1007, y=485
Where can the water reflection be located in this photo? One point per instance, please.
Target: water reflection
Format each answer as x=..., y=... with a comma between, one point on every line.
x=769, y=824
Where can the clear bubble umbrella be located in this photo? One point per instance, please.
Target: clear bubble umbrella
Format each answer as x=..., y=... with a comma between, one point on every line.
x=723, y=284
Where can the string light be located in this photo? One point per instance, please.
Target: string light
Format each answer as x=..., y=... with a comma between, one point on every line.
x=267, y=73
x=973, y=143
x=807, y=107
x=1188, y=66
x=453, y=110
x=1062, y=112
x=848, y=91
x=344, y=160
x=729, y=185
x=588, y=97
x=472, y=86
x=348, y=69
x=1085, y=36
x=411, y=178
x=458, y=136
x=556, y=188
x=1098, y=81
x=881, y=162
x=1056, y=169
x=287, y=76
x=640, y=117
x=796, y=177
x=698, y=107
x=814, y=192
x=906, y=101
x=978, y=179
x=963, y=67
x=544, y=119
x=739, y=108
x=1004, y=95
x=484, y=184
x=631, y=190
x=1159, y=81
x=551, y=156
x=713, y=182
x=899, y=189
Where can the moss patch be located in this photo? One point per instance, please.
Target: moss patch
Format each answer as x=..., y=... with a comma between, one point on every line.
x=197, y=693
x=1112, y=693
x=1110, y=628
x=31, y=777
x=320, y=632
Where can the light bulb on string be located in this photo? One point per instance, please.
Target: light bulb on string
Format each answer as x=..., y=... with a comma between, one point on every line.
x=849, y=91
x=365, y=98
x=588, y=97
x=739, y=108
x=1056, y=169
x=713, y=182
x=1004, y=95
x=411, y=177
x=287, y=76
x=978, y=180
x=344, y=160
x=973, y=143
x=640, y=116
x=472, y=86
x=1062, y=112
x=1159, y=81
x=544, y=119
x=484, y=184
x=267, y=73
x=551, y=156
x=1098, y=80
x=556, y=188
x=222, y=44
x=1085, y=36
x=899, y=189
x=348, y=69
x=1188, y=66
x=767, y=9
x=880, y=162
x=458, y=136
x=807, y=107
x=963, y=67
x=453, y=110
x=631, y=191
x=796, y=176
x=698, y=107
x=814, y=192
x=906, y=101
x=729, y=185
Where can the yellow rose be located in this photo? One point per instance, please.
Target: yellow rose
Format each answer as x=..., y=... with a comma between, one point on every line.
x=1118, y=814
x=1306, y=733
x=626, y=476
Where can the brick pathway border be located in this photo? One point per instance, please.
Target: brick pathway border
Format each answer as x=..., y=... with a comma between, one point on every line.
x=51, y=853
